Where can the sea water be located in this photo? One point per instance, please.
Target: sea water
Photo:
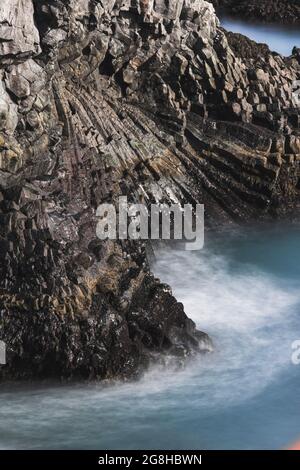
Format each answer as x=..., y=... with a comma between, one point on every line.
x=279, y=38
x=243, y=290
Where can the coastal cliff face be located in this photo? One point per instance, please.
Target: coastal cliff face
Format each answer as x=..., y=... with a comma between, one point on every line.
x=269, y=11
x=139, y=98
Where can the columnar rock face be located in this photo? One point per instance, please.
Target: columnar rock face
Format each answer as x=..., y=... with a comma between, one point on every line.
x=139, y=98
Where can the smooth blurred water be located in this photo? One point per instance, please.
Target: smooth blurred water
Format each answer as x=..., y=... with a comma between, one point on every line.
x=279, y=38
x=243, y=289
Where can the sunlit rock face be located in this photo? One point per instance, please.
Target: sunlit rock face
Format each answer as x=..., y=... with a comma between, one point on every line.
x=138, y=98
x=19, y=37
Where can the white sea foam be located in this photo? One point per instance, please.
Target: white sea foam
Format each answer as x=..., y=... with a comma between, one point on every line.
x=249, y=315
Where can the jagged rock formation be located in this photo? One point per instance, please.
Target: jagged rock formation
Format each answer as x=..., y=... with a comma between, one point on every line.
x=138, y=98
x=268, y=11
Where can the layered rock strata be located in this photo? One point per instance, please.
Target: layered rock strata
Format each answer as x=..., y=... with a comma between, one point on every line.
x=138, y=98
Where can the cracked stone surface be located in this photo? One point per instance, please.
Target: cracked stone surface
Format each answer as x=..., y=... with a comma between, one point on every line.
x=19, y=37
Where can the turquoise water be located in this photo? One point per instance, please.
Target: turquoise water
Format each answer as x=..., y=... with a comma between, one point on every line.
x=243, y=289
x=279, y=38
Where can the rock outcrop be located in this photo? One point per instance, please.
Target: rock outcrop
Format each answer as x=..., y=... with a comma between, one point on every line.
x=268, y=11
x=138, y=98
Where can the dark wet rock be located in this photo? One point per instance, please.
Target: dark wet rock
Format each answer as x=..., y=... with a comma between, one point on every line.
x=107, y=342
x=148, y=100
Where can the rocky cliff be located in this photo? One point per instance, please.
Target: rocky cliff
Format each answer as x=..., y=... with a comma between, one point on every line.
x=268, y=11
x=140, y=98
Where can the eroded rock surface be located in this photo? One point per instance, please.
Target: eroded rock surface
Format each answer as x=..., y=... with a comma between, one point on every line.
x=138, y=98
